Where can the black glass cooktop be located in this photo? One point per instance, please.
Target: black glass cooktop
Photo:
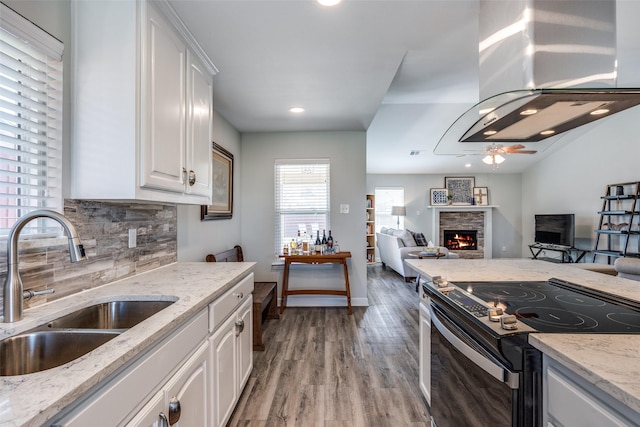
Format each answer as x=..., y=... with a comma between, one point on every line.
x=559, y=306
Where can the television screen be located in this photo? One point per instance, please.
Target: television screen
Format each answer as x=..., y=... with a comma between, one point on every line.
x=555, y=229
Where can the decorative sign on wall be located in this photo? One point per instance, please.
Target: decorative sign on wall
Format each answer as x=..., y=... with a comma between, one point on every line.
x=460, y=189
x=481, y=196
x=439, y=196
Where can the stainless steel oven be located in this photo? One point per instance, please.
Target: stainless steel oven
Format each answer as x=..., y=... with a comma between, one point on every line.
x=483, y=371
x=470, y=386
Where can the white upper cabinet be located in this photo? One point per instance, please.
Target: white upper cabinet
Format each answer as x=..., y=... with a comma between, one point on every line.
x=142, y=105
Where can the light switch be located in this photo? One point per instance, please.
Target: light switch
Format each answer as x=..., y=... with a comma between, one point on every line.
x=132, y=238
x=344, y=209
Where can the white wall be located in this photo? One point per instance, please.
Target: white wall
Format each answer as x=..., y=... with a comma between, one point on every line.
x=504, y=191
x=347, y=154
x=198, y=238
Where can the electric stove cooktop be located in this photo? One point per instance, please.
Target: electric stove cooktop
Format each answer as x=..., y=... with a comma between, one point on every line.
x=558, y=306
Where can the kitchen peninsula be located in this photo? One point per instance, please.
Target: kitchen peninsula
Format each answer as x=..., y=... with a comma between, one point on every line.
x=598, y=372
x=202, y=293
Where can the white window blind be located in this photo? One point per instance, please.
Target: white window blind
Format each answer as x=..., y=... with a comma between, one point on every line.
x=301, y=199
x=30, y=121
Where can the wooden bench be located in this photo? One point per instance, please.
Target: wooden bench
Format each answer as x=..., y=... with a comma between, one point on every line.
x=265, y=301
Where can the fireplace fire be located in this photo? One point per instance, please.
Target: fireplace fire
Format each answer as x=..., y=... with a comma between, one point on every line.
x=461, y=240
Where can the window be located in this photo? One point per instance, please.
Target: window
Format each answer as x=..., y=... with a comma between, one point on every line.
x=30, y=121
x=301, y=199
x=385, y=198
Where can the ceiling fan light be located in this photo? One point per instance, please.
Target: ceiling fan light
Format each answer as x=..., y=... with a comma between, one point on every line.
x=498, y=159
x=487, y=160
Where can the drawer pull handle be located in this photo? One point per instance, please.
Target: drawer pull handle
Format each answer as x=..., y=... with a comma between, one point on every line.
x=240, y=326
x=192, y=178
x=164, y=422
x=240, y=295
x=174, y=410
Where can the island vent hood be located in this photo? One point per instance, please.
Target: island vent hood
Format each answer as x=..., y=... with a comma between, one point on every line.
x=566, y=50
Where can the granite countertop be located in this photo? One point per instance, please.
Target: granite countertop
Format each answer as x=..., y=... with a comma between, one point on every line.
x=609, y=362
x=35, y=398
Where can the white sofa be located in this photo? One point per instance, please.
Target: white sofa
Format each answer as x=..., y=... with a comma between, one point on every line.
x=394, y=247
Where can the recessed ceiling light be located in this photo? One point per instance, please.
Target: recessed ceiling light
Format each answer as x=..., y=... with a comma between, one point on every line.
x=547, y=132
x=490, y=132
x=468, y=165
x=528, y=112
x=329, y=2
x=599, y=112
x=296, y=110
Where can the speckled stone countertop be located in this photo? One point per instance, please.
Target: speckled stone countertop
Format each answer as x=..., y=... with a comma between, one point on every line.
x=609, y=362
x=30, y=400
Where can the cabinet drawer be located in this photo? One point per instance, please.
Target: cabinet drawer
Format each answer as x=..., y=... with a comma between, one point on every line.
x=221, y=308
x=569, y=404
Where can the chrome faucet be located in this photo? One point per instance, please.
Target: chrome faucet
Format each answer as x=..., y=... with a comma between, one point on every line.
x=14, y=295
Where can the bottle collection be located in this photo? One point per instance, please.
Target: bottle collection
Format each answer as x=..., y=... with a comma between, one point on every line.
x=306, y=245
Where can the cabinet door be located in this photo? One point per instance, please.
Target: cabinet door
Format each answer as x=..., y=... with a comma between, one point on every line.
x=224, y=371
x=163, y=139
x=190, y=389
x=199, y=118
x=425, y=351
x=245, y=343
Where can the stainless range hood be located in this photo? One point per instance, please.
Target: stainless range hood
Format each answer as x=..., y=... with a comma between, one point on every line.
x=565, y=49
x=532, y=116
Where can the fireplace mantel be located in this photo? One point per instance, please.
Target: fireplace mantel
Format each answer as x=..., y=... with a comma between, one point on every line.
x=488, y=230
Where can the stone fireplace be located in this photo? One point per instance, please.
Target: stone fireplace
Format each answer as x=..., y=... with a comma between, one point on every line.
x=473, y=221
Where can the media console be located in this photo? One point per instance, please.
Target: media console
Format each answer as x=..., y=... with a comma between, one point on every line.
x=569, y=254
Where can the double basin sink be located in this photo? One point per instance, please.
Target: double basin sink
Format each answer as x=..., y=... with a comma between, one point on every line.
x=68, y=337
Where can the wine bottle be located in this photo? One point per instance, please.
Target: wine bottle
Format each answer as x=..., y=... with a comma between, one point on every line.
x=318, y=243
x=330, y=243
x=324, y=241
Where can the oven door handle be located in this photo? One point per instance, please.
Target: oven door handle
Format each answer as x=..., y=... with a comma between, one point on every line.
x=457, y=338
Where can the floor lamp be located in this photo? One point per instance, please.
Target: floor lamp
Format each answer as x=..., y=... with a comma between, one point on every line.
x=398, y=211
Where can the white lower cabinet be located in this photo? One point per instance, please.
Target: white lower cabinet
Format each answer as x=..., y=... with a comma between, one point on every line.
x=570, y=400
x=231, y=350
x=183, y=401
x=425, y=348
x=122, y=398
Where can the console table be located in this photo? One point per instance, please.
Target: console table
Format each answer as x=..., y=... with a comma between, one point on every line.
x=339, y=258
x=567, y=252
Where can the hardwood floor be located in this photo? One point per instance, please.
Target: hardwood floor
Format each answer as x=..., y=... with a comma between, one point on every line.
x=322, y=367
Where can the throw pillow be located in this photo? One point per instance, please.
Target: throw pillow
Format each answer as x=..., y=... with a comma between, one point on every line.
x=420, y=239
x=406, y=237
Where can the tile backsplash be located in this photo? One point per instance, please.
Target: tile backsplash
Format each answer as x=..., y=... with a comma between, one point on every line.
x=103, y=228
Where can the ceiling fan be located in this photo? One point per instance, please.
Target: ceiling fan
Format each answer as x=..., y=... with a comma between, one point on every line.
x=494, y=152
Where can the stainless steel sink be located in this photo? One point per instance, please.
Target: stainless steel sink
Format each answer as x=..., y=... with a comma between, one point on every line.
x=110, y=315
x=36, y=351
x=73, y=335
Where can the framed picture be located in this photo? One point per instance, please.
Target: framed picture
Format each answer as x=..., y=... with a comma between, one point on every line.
x=439, y=197
x=481, y=196
x=460, y=189
x=221, y=206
